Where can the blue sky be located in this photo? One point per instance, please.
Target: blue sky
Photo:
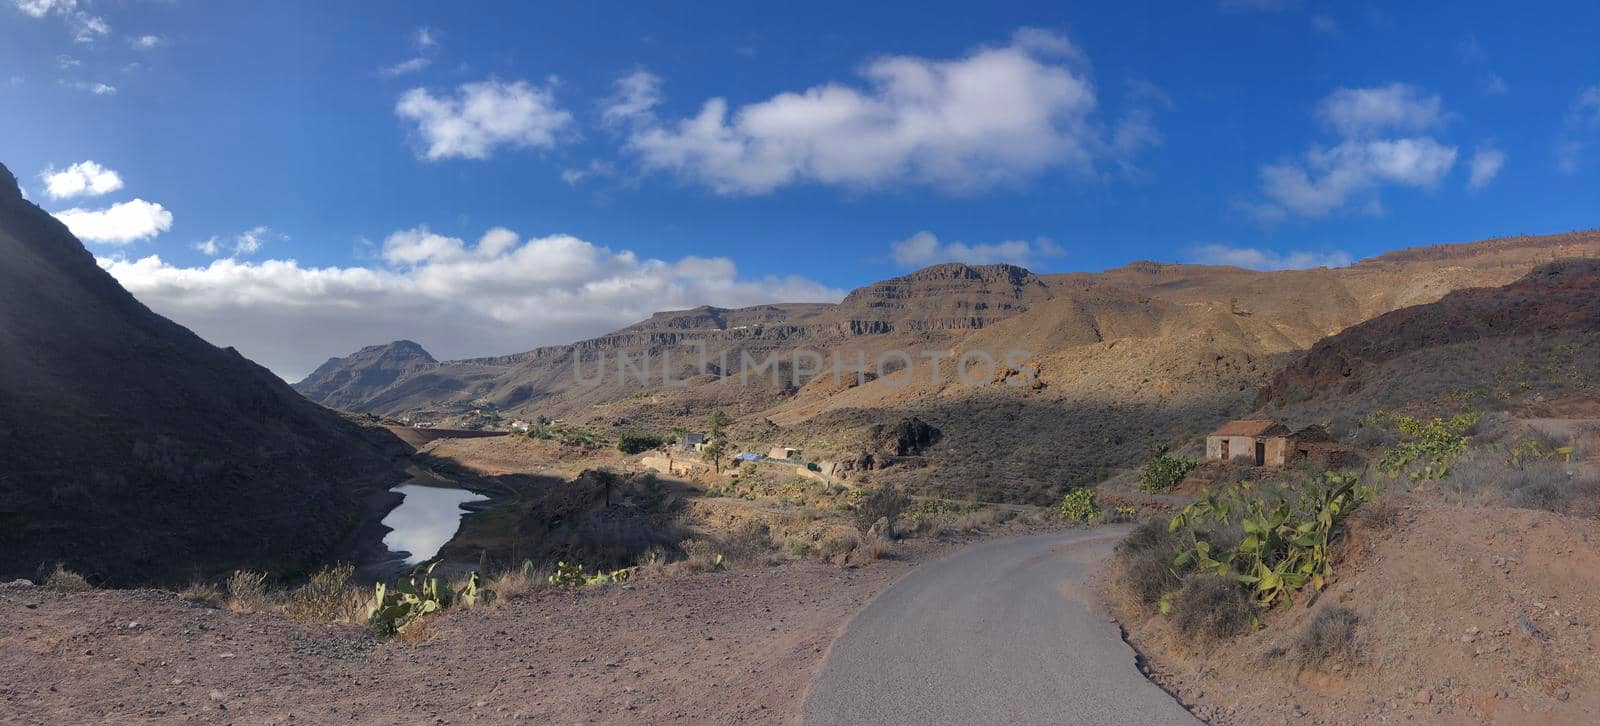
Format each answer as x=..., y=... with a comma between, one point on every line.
x=525, y=174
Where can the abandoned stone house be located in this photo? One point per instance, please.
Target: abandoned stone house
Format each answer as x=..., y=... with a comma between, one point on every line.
x=691, y=441
x=1262, y=442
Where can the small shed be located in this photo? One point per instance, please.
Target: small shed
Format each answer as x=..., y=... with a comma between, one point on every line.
x=690, y=441
x=1260, y=442
x=783, y=452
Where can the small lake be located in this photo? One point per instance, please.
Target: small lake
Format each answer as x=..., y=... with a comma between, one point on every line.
x=425, y=520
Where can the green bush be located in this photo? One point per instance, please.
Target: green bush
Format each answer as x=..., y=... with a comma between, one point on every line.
x=1286, y=538
x=1427, y=449
x=1079, y=505
x=638, y=443
x=1163, y=471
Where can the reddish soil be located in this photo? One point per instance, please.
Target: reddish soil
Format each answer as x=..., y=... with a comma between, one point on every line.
x=1466, y=615
x=728, y=647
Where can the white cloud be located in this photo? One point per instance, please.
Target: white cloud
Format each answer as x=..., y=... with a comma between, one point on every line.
x=424, y=38
x=1259, y=259
x=499, y=295
x=483, y=116
x=596, y=169
x=1494, y=85
x=406, y=67
x=637, y=93
x=41, y=8
x=1326, y=179
x=210, y=247
x=1486, y=163
x=924, y=248
x=999, y=114
x=85, y=178
x=98, y=89
x=1581, y=125
x=87, y=28
x=119, y=224
x=146, y=42
x=1362, y=112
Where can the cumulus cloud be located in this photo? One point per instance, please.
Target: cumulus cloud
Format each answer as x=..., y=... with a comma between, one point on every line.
x=85, y=178
x=1326, y=179
x=1579, y=128
x=1486, y=163
x=146, y=42
x=118, y=224
x=501, y=294
x=483, y=116
x=1259, y=259
x=999, y=114
x=1361, y=112
x=924, y=248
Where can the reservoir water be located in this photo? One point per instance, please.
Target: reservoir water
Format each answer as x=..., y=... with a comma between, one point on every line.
x=425, y=520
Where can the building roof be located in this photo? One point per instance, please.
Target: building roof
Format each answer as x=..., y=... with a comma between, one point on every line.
x=1314, y=434
x=1250, y=427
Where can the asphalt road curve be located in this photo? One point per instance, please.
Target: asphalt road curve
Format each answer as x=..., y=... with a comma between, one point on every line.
x=997, y=633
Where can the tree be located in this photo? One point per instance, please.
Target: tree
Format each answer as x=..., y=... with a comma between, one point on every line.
x=716, y=445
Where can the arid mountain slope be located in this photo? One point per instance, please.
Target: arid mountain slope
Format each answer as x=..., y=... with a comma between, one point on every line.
x=344, y=382
x=1109, y=362
x=1525, y=342
x=133, y=451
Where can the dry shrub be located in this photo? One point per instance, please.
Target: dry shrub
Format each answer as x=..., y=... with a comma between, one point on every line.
x=1548, y=484
x=878, y=549
x=1376, y=515
x=203, y=593
x=247, y=591
x=1144, y=559
x=886, y=502
x=1211, y=607
x=1328, y=638
x=325, y=597
x=700, y=556
x=419, y=631
x=838, y=547
x=65, y=580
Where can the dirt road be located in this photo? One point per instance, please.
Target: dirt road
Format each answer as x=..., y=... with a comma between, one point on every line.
x=1000, y=632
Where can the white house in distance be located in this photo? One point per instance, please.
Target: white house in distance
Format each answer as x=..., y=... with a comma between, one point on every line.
x=520, y=426
x=783, y=452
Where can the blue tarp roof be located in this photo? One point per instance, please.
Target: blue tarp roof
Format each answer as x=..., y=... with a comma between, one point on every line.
x=747, y=456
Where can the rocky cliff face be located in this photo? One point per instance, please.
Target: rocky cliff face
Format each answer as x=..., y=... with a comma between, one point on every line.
x=133, y=451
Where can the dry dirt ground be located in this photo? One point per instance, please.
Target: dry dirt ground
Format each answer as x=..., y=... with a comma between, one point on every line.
x=1467, y=615
x=721, y=647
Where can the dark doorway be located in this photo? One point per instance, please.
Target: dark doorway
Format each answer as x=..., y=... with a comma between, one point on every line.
x=1224, y=449
x=1261, y=453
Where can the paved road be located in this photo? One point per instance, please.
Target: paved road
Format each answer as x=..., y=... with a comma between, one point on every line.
x=997, y=633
